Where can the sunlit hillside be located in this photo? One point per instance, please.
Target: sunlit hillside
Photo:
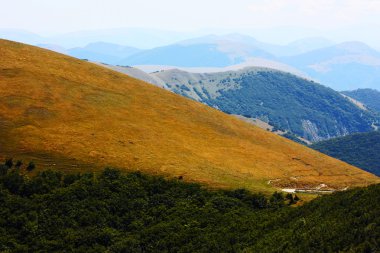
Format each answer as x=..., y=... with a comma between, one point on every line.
x=63, y=112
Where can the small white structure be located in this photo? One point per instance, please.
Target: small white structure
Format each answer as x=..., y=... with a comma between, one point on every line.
x=289, y=190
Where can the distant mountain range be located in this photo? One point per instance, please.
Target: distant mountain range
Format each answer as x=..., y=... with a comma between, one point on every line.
x=103, y=52
x=344, y=66
x=134, y=37
x=195, y=55
x=361, y=150
x=369, y=97
x=274, y=100
x=220, y=51
x=98, y=52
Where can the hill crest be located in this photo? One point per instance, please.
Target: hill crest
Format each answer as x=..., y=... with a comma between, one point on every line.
x=57, y=108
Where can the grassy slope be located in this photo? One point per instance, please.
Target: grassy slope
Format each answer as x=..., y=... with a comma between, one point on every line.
x=60, y=110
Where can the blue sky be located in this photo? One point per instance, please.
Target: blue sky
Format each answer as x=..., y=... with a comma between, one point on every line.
x=336, y=19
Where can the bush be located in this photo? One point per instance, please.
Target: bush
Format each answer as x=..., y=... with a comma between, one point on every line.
x=9, y=163
x=31, y=166
x=18, y=164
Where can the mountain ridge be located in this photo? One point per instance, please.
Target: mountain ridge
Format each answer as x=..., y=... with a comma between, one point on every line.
x=103, y=52
x=58, y=106
x=344, y=66
x=300, y=112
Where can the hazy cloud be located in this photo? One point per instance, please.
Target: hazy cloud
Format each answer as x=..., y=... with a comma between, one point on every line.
x=355, y=19
x=321, y=14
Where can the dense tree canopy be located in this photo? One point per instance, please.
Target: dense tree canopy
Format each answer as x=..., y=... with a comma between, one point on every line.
x=369, y=97
x=115, y=212
x=288, y=103
x=361, y=150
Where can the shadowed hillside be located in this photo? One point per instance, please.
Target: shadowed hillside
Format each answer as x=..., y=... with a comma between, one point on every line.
x=361, y=150
x=369, y=97
x=135, y=212
x=70, y=113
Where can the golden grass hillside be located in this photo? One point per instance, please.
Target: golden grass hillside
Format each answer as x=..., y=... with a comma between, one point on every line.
x=70, y=114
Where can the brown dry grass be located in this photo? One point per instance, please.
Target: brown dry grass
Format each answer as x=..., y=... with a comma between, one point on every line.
x=57, y=109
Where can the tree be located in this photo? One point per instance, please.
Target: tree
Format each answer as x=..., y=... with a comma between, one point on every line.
x=3, y=169
x=110, y=174
x=31, y=166
x=9, y=163
x=13, y=181
x=277, y=199
x=289, y=197
x=18, y=164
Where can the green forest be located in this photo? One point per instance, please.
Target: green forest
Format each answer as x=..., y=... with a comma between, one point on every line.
x=111, y=211
x=370, y=97
x=288, y=103
x=361, y=150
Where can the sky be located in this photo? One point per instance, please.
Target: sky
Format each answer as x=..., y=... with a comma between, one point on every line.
x=271, y=20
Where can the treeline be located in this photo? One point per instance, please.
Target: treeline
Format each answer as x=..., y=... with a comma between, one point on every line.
x=134, y=212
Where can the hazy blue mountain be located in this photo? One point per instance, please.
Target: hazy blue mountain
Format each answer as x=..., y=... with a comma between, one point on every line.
x=111, y=49
x=361, y=150
x=349, y=76
x=211, y=51
x=216, y=51
x=135, y=37
x=53, y=47
x=353, y=49
x=193, y=55
x=369, y=97
x=293, y=48
x=234, y=38
x=103, y=52
x=300, y=46
x=345, y=66
x=281, y=101
x=21, y=36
